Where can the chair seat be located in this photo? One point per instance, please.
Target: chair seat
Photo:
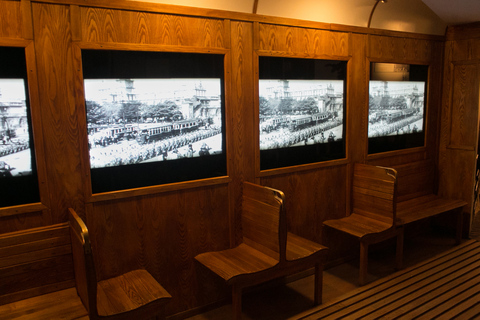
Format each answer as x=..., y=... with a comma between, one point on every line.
x=300, y=248
x=127, y=292
x=358, y=225
x=241, y=260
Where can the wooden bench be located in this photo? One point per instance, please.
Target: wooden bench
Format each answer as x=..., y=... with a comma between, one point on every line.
x=414, y=200
x=268, y=251
x=132, y=295
x=417, y=199
x=373, y=217
x=34, y=262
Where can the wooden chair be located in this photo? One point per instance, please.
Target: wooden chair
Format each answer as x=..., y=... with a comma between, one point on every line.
x=133, y=295
x=373, y=218
x=265, y=253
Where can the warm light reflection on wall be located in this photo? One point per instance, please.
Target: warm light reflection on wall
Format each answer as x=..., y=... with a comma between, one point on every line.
x=397, y=15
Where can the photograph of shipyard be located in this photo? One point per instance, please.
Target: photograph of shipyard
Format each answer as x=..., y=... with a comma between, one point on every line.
x=15, y=155
x=300, y=112
x=395, y=108
x=132, y=121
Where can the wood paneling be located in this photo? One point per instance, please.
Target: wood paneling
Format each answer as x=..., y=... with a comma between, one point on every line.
x=459, y=130
x=103, y=25
x=400, y=49
x=464, y=106
x=11, y=19
x=162, y=228
x=292, y=41
x=241, y=120
x=163, y=233
x=58, y=109
x=312, y=197
x=35, y=261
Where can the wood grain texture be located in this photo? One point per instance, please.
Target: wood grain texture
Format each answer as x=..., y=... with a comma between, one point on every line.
x=459, y=127
x=302, y=41
x=267, y=251
x=240, y=118
x=308, y=198
x=162, y=233
x=464, y=108
x=444, y=287
x=164, y=227
x=104, y=25
x=57, y=100
x=392, y=49
x=11, y=23
x=34, y=261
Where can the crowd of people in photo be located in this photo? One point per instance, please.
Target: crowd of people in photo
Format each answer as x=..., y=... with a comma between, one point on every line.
x=166, y=149
x=284, y=137
x=10, y=146
x=383, y=128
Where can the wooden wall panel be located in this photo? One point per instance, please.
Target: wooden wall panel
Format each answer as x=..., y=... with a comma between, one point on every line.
x=460, y=115
x=63, y=159
x=162, y=230
x=163, y=233
x=464, y=106
x=306, y=42
x=312, y=197
x=240, y=108
x=11, y=19
x=104, y=25
x=391, y=49
x=357, y=105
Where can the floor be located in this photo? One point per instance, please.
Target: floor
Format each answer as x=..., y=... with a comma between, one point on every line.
x=444, y=287
x=282, y=302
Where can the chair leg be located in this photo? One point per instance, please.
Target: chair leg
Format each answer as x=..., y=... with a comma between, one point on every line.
x=318, y=284
x=459, y=231
x=237, y=302
x=363, y=263
x=399, y=251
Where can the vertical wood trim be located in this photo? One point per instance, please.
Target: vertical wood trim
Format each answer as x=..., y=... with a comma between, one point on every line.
x=256, y=106
x=453, y=110
x=27, y=20
x=37, y=129
x=75, y=23
x=229, y=121
x=82, y=118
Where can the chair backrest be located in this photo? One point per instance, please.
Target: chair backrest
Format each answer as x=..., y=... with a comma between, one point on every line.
x=263, y=220
x=85, y=276
x=415, y=179
x=375, y=192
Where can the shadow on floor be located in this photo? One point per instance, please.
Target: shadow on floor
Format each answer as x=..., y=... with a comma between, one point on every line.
x=276, y=301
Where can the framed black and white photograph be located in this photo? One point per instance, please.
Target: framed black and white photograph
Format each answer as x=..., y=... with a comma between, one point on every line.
x=147, y=120
x=396, y=111
x=160, y=125
x=396, y=108
x=301, y=111
x=18, y=177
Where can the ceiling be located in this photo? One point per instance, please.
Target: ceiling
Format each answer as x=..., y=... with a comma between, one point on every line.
x=455, y=11
x=418, y=16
